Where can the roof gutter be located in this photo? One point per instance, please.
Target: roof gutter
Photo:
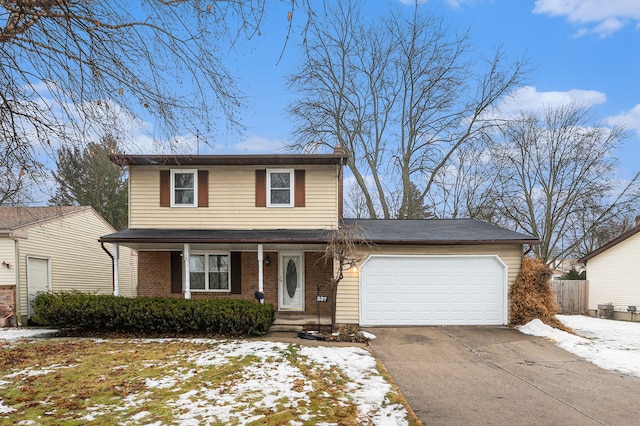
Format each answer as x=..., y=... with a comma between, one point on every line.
x=453, y=242
x=113, y=266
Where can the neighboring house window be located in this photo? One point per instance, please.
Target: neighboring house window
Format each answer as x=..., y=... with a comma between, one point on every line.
x=280, y=188
x=209, y=271
x=184, y=188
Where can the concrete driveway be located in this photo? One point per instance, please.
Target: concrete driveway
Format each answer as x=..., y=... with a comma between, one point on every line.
x=497, y=375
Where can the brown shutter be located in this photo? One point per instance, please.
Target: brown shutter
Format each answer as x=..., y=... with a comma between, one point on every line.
x=176, y=272
x=261, y=188
x=203, y=188
x=165, y=188
x=299, y=188
x=236, y=272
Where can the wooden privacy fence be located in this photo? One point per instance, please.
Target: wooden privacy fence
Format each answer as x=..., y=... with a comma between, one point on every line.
x=572, y=296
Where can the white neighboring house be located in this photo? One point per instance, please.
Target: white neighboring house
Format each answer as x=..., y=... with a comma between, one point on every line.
x=612, y=271
x=57, y=249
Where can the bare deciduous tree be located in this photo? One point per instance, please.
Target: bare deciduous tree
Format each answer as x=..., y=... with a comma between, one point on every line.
x=593, y=236
x=399, y=94
x=343, y=250
x=556, y=179
x=357, y=205
x=464, y=189
x=70, y=68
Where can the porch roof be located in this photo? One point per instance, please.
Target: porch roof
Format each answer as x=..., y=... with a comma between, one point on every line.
x=149, y=238
x=414, y=232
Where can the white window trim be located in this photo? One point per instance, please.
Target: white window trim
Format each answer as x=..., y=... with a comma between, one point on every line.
x=291, y=187
x=195, y=187
x=206, y=271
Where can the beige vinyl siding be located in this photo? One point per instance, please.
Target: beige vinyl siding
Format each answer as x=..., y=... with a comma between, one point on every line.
x=7, y=254
x=232, y=201
x=613, y=275
x=77, y=260
x=348, y=305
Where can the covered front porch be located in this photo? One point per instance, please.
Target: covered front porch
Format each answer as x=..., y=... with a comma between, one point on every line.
x=284, y=268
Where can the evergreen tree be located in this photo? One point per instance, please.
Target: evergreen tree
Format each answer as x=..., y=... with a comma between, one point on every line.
x=414, y=205
x=88, y=178
x=573, y=274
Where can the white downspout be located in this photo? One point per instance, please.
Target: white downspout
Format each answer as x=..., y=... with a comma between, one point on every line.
x=116, y=270
x=187, y=275
x=260, y=271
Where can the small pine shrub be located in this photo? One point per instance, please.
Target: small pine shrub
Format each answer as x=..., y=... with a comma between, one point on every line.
x=90, y=312
x=532, y=296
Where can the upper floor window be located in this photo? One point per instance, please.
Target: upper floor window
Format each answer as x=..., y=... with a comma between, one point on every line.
x=184, y=188
x=280, y=188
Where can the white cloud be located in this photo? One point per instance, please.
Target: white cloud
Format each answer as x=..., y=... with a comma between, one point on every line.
x=628, y=119
x=528, y=99
x=594, y=16
x=253, y=144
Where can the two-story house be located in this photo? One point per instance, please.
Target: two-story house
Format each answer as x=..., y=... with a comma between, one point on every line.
x=245, y=225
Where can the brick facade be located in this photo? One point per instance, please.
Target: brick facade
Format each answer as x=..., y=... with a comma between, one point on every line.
x=154, y=280
x=154, y=274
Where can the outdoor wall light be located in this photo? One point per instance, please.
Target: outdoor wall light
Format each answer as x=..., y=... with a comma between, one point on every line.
x=5, y=264
x=354, y=267
x=267, y=261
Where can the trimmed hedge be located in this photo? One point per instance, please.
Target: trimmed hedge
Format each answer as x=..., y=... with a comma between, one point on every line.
x=90, y=312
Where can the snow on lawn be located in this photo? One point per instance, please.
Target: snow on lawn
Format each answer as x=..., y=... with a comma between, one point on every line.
x=261, y=385
x=275, y=378
x=609, y=344
x=16, y=333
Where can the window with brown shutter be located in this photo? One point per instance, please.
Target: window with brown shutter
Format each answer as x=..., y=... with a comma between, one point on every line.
x=173, y=194
x=274, y=188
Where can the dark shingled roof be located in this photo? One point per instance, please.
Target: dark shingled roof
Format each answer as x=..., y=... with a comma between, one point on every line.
x=17, y=217
x=454, y=231
x=227, y=160
x=436, y=231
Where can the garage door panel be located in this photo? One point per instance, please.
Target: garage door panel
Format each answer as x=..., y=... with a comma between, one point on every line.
x=433, y=290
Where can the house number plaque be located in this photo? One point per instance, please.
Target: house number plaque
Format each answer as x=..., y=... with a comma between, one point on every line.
x=321, y=298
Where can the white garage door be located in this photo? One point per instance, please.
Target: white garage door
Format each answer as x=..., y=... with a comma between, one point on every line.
x=433, y=290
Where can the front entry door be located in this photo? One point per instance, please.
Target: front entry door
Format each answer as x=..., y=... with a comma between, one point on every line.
x=291, y=282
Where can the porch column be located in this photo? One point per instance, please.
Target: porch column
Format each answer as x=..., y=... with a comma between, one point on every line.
x=116, y=270
x=260, y=271
x=187, y=275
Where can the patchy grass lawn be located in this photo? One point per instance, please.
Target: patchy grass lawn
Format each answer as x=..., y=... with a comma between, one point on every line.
x=193, y=382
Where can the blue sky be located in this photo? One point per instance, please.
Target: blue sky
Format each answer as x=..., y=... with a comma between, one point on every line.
x=585, y=50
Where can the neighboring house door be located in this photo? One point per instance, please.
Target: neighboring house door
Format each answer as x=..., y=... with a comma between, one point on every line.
x=38, y=278
x=291, y=282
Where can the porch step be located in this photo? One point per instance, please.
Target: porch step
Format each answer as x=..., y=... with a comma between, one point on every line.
x=297, y=323
x=285, y=327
